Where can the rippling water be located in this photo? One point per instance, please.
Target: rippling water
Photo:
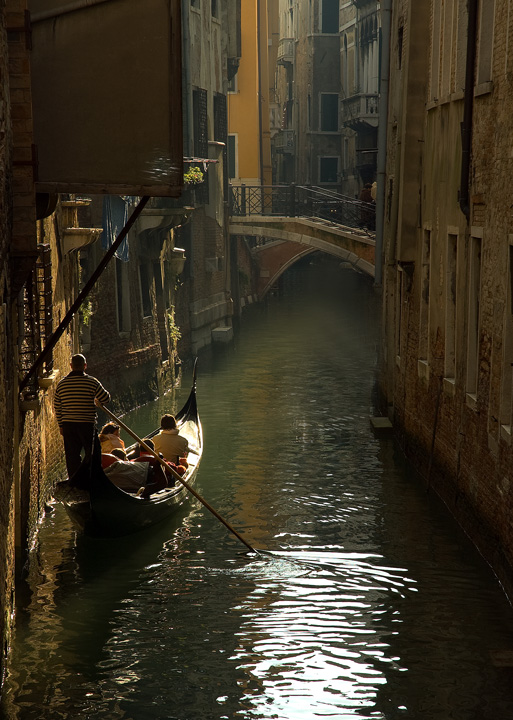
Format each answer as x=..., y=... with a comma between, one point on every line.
x=364, y=600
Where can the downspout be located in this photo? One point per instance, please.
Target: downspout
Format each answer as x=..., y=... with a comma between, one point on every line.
x=466, y=125
x=384, y=73
x=260, y=123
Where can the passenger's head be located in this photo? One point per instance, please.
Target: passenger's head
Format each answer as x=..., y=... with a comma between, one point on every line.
x=78, y=362
x=119, y=453
x=168, y=422
x=110, y=429
x=149, y=443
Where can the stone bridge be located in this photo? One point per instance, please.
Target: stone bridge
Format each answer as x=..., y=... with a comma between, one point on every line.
x=279, y=242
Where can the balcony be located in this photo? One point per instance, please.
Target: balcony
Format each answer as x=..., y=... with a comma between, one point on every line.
x=366, y=160
x=285, y=142
x=360, y=109
x=286, y=48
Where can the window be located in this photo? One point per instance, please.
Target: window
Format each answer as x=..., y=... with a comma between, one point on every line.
x=435, y=52
x=214, y=8
x=461, y=46
x=195, y=3
x=221, y=132
x=122, y=295
x=233, y=85
x=473, y=313
x=485, y=42
x=200, y=144
x=450, y=306
x=145, y=290
x=329, y=17
x=507, y=354
x=401, y=296
x=447, y=49
x=232, y=157
x=329, y=112
x=162, y=312
x=424, y=297
x=328, y=169
x=199, y=110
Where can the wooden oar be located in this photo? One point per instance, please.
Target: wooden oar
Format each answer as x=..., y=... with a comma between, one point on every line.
x=175, y=475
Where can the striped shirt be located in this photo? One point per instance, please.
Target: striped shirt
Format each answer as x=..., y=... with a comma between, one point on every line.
x=74, y=397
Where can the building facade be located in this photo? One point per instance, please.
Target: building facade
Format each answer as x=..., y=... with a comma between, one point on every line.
x=210, y=55
x=447, y=283
x=307, y=148
x=327, y=94
x=249, y=98
x=39, y=280
x=44, y=244
x=360, y=36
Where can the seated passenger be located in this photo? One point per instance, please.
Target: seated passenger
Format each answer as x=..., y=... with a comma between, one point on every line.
x=157, y=479
x=108, y=459
x=127, y=475
x=109, y=438
x=169, y=442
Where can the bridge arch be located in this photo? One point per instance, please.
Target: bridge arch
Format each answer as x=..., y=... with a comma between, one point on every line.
x=280, y=242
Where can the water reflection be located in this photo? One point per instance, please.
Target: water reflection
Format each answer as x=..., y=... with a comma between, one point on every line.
x=318, y=642
x=369, y=604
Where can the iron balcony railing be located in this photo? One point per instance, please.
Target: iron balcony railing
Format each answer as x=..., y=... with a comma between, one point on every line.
x=286, y=48
x=285, y=142
x=358, y=108
x=302, y=201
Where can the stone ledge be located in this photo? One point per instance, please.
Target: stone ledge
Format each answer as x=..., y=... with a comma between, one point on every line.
x=47, y=381
x=381, y=424
x=222, y=334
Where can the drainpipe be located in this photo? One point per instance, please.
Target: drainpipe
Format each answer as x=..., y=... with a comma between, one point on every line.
x=466, y=125
x=259, y=70
x=386, y=12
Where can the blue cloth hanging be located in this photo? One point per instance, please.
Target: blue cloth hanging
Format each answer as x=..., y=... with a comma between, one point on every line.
x=115, y=215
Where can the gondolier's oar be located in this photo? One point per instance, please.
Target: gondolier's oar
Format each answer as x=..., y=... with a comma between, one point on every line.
x=175, y=475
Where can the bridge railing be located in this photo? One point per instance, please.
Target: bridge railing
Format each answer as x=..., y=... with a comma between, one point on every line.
x=302, y=201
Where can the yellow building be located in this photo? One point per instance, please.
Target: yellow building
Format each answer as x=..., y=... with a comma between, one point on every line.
x=249, y=108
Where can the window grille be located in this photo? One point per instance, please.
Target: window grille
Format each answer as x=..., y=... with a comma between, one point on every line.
x=36, y=322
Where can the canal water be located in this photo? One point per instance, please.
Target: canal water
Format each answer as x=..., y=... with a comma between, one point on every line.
x=372, y=604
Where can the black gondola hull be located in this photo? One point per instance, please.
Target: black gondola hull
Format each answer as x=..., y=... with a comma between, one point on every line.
x=99, y=508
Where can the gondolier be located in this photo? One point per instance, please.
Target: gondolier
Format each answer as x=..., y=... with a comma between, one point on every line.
x=75, y=411
x=103, y=508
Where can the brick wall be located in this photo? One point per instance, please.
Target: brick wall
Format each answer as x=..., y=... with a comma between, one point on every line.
x=457, y=434
x=203, y=299
x=127, y=363
x=6, y=354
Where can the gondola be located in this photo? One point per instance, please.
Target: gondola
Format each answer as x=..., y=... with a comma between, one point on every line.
x=100, y=508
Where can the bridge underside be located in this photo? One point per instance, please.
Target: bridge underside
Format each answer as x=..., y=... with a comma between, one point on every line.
x=282, y=241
